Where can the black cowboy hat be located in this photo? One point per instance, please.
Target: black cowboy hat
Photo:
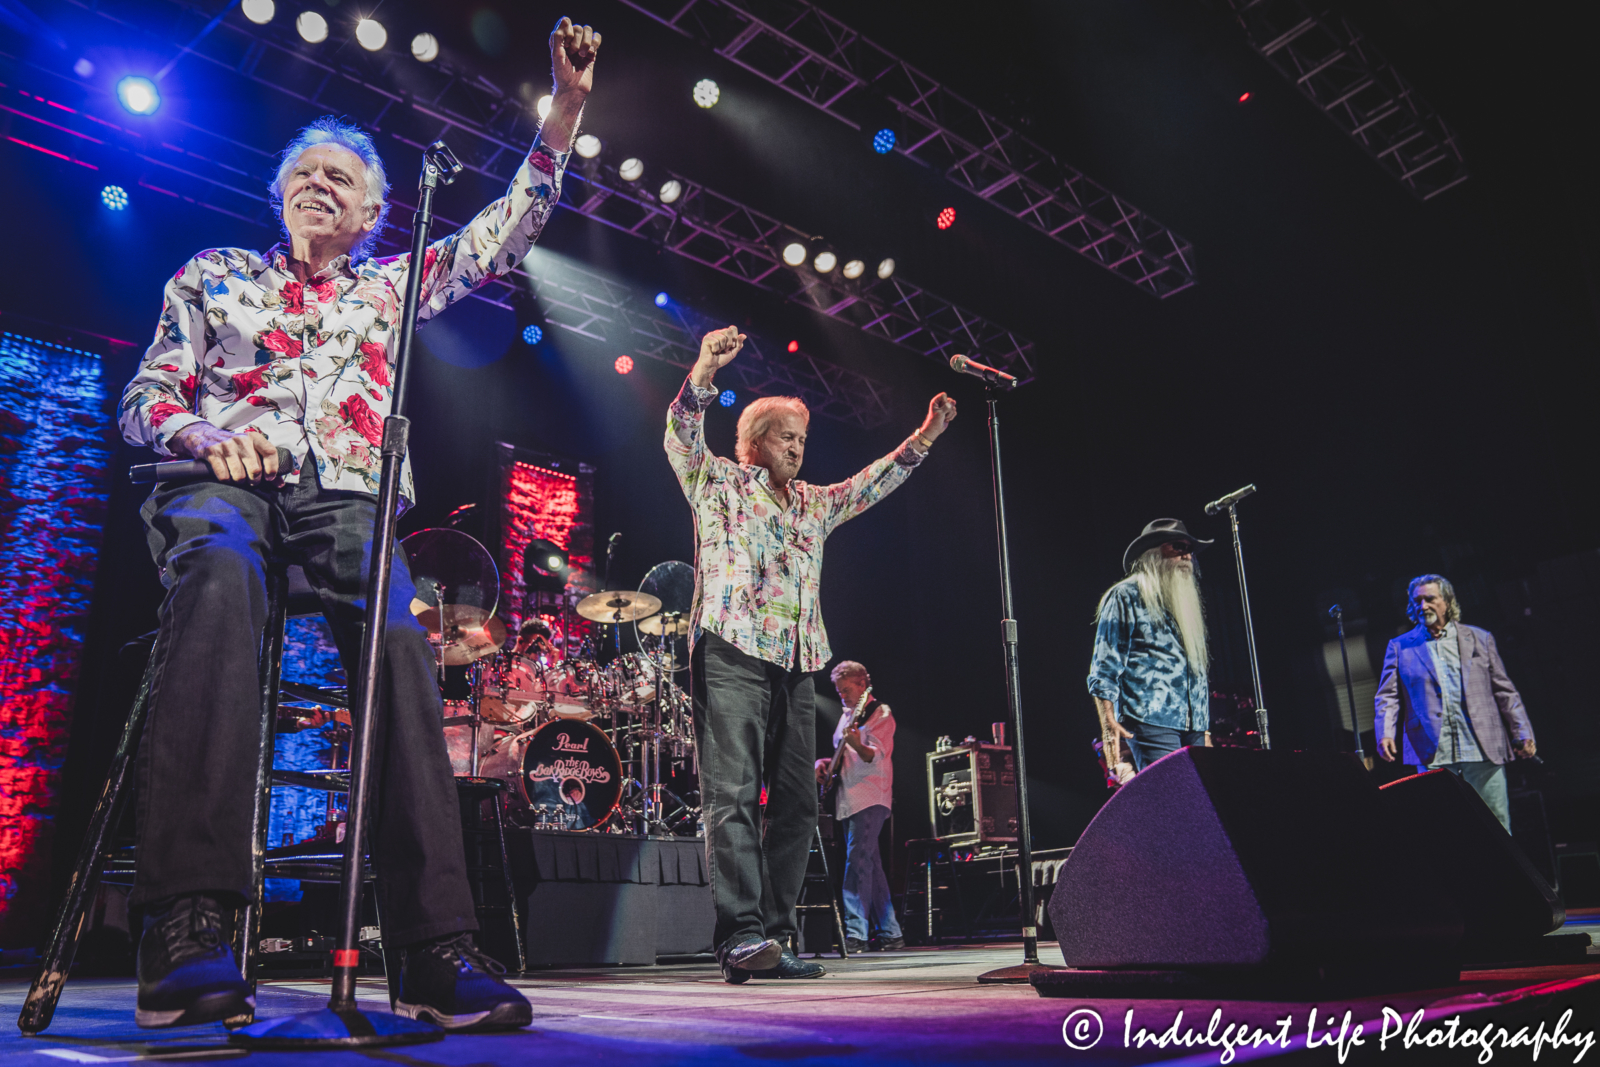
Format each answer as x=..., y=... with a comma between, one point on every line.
x=1156, y=533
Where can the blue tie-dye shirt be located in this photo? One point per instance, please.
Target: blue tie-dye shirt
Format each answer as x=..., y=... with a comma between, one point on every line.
x=1139, y=665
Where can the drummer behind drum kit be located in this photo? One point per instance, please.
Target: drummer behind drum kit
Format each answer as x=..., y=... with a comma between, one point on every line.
x=580, y=743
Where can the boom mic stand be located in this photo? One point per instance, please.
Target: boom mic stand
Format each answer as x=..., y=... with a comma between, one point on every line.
x=341, y=1024
x=1231, y=502
x=1337, y=614
x=1017, y=973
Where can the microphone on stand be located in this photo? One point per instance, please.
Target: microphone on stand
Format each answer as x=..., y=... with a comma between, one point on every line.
x=993, y=377
x=1228, y=501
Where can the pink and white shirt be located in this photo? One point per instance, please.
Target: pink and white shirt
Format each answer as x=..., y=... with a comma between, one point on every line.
x=244, y=346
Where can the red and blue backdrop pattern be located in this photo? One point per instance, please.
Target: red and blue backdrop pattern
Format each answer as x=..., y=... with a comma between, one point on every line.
x=55, y=438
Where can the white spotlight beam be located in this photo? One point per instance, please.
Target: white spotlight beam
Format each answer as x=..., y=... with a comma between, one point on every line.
x=703, y=225
x=815, y=57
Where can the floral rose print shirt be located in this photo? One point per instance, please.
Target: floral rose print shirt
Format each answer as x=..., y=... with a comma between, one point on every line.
x=244, y=346
x=758, y=566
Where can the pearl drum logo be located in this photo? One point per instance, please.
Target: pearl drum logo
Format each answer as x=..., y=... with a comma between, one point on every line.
x=564, y=743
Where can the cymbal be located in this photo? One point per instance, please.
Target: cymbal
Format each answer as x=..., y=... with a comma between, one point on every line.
x=451, y=569
x=452, y=619
x=474, y=643
x=663, y=624
x=620, y=605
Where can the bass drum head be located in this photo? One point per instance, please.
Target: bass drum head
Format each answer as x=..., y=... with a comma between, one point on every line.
x=571, y=767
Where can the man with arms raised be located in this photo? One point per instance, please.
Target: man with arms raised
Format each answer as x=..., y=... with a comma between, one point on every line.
x=1148, y=675
x=1444, y=693
x=290, y=349
x=757, y=637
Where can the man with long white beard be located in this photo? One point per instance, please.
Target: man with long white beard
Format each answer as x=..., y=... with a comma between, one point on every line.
x=1148, y=675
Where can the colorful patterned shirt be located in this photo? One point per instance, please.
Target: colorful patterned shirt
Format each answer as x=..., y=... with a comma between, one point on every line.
x=1140, y=666
x=758, y=566
x=242, y=345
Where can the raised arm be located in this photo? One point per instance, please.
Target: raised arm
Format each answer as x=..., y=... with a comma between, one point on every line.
x=850, y=498
x=686, y=439
x=495, y=242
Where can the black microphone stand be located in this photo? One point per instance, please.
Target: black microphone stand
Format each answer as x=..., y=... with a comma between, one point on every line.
x=1249, y=626
x=1008, y=624
x=341, y=1024
x=1349, y=688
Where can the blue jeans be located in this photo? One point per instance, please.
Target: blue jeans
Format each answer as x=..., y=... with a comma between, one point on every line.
x=866, y=889
x=1150, y=743
x=1489, y=780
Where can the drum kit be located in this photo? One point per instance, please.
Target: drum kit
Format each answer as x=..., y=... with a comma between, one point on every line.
x=582, y=744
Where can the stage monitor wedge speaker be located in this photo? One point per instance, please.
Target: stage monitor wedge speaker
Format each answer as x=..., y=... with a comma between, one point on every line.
x=1253, y=863
x=1507, y=906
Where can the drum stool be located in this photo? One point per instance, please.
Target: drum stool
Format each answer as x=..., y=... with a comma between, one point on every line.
x=96, y=856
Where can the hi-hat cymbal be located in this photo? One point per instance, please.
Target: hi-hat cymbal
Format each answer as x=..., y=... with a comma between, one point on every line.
x=670, y=625
x=621, y=605
x=466, y=645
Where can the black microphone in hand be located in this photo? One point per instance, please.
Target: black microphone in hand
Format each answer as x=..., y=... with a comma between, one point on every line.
x=191, y=470
x=1228, y=501
x=994, y=377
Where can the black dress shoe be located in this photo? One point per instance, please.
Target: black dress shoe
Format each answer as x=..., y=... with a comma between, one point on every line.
x=748, y=952
x=791, y=966
x=852, y=946
x=891, y=944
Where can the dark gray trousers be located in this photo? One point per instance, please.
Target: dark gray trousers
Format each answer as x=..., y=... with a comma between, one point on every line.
x=754, y=723
x=196, y=763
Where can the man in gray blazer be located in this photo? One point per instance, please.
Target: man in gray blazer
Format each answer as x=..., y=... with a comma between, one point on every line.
x=1446, y=683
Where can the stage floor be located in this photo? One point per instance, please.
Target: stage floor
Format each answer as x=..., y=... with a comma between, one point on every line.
x=917, y=1006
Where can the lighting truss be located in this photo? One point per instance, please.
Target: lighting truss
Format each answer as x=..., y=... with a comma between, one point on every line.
x=817, y=58
x=603, y=309
x=1337, y=68
x=195, y=163
x=490, y=130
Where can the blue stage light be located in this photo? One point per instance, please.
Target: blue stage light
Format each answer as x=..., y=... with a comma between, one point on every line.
x=532, y=334
x=114, y=197
x=138, y=95
x=883, y=141
x=661, y=300
x=728, y=398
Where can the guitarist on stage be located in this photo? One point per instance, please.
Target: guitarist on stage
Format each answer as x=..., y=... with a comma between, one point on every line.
x=861, y=774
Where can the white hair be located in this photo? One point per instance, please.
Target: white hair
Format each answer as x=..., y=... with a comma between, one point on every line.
x=331, y=130
x=849, y=668
x=1172, y=591
x=756, y=419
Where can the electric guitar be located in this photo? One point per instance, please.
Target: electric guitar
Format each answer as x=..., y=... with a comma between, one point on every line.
x=857, y=718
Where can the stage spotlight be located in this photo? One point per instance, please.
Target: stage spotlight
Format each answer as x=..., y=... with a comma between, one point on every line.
x=706, y=92
x=661, y=300
x=312, y=27
x=259, y=12
x=793, y=346
x=632, y=169
x=794, y=253
x=854, y=268
x=371, y=35
x=1244, y=97
x=587, y=146
x=825, y=262
x=83, y=68
x=624, y=364
x=885, y=267
x=544, y=566
x=138, y=95
x=728, y=398
x=544, y=108
x=883, y=142
x=114, y=197
x=671, y=190
x=532, y=335
x=425, y=47
x=946, y=218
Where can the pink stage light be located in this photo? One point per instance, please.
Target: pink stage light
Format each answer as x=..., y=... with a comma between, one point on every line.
x=794, y=346
x=1243, y=97
x=624, y=364
x=946, y=219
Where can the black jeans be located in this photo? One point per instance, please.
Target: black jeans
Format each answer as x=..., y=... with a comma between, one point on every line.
x=197, y=759
x=754, y=722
